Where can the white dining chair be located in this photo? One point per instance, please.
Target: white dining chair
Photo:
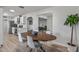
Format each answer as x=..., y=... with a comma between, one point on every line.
x=22, y=44
x=32, y=45
x=20, y=39
x=30, y=42
x=22, y=31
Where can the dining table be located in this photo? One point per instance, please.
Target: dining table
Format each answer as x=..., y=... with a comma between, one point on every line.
x=40, y=36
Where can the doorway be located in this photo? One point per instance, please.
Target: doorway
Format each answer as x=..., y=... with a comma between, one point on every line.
x=45, y=22
x=29, y=24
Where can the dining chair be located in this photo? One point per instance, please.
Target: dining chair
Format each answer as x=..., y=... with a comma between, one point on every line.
x=22, y=31
x=32, y=45
x=22, y=44
x=20, y=39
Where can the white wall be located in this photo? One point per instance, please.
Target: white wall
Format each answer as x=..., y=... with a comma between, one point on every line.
x=49, y=23
x=6, y=26
x=59, y=16
x=1, y=26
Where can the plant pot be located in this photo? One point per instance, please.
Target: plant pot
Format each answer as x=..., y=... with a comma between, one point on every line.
x=71, y=44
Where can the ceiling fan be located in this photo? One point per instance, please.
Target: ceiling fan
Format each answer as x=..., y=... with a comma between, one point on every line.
x=22, y=7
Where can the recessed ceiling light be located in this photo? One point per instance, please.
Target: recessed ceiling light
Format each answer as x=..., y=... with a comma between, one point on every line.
x=12, y=10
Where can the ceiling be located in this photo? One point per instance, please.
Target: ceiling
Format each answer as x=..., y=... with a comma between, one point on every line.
x=46, y=14
x=20, y=11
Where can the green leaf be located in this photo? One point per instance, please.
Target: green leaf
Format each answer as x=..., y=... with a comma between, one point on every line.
x=72, y=20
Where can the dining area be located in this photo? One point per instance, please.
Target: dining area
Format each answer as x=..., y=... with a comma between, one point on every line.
x=33, y=39
x=38, y=31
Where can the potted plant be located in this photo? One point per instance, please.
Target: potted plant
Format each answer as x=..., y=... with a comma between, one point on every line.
x=72, y=20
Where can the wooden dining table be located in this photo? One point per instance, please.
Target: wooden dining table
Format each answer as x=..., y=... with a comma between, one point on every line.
x=41, y=36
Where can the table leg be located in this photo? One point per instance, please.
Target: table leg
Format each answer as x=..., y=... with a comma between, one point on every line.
x=42, y=49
